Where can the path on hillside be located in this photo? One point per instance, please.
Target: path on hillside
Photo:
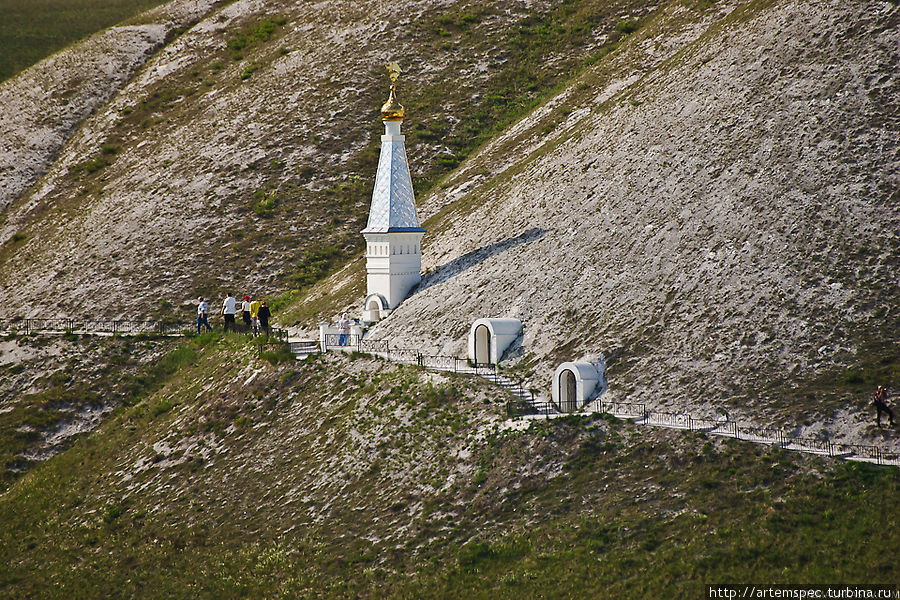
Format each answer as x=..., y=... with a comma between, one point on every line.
x=635, y=412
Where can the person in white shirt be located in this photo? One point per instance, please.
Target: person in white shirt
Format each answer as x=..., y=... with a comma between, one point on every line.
x=202, y=314
x=228, y=310
x=245, y=312
x=344, y=330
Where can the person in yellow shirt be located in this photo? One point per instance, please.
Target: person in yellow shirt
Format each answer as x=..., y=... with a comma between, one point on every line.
x=254, y=316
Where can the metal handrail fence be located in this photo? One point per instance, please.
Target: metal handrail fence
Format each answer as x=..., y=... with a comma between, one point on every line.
x=114, y=327
x=629, y=410
x=263, y=346
x=373, y=346
x=679, y=420
x=333, y=340
x=61, y=325
x=766, y=435
x=519, y=408
x=409, y=356
x=812, y=445
x=750, y=433
x=868, y=453
x=441, y=363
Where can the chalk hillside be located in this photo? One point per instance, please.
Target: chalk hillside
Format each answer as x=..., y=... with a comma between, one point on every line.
x=715, y=217
x=701, y=194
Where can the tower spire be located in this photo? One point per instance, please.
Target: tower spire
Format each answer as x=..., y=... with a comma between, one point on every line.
x=393, y=235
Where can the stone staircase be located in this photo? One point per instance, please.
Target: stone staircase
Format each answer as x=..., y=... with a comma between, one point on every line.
x=449, y=364
x=514, y=388
x=303, y=348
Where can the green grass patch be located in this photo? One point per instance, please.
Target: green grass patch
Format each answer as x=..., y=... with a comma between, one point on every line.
x=30, y=31
x=252, y=35
x=277, y=354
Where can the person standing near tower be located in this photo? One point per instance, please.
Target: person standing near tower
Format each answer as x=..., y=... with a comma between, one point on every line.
x=343, y=330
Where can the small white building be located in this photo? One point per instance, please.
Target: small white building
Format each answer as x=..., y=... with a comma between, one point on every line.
x=393, y=236
x=574, y=384
x=489, y=339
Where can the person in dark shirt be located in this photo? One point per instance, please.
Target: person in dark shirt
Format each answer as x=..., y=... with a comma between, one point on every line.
x=880, y=400
x=263, y=316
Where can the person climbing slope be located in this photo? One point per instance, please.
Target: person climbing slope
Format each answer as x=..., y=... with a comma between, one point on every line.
x=880, y=401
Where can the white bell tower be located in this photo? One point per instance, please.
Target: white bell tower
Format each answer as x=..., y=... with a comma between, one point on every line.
x=393, y=236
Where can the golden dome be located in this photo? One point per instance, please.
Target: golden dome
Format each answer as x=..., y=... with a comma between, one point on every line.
x=392, y=110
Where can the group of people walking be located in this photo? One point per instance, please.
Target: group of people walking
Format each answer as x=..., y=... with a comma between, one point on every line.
x=254, y=314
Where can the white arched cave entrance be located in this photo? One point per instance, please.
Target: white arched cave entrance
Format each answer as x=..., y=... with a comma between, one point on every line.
x=574, y=384
x=489, y=339
x=375, y=308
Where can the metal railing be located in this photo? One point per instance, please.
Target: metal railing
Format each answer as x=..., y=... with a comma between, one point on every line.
x=521, y=408
x=629, y=410
x=749, y=433
x=333, y=340
x=115, y=327
x=373, y=346
x=443, y=363
x=435, y=362
x=265, y=346
x=409, y=356
x=123, y=327
x=525, y=405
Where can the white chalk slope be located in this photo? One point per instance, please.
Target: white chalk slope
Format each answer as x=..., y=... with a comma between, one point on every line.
x=711, y=225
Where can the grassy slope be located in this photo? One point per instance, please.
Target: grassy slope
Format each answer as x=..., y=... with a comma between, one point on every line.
x=344, y=478
x=259, y=502
x=30, y=31
x=56, y=380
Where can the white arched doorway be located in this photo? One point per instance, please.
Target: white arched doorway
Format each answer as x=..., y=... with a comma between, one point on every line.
x=489, y=339
x=482, y=345
x=574, y=384
x=375, y=308
x=568, y=400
